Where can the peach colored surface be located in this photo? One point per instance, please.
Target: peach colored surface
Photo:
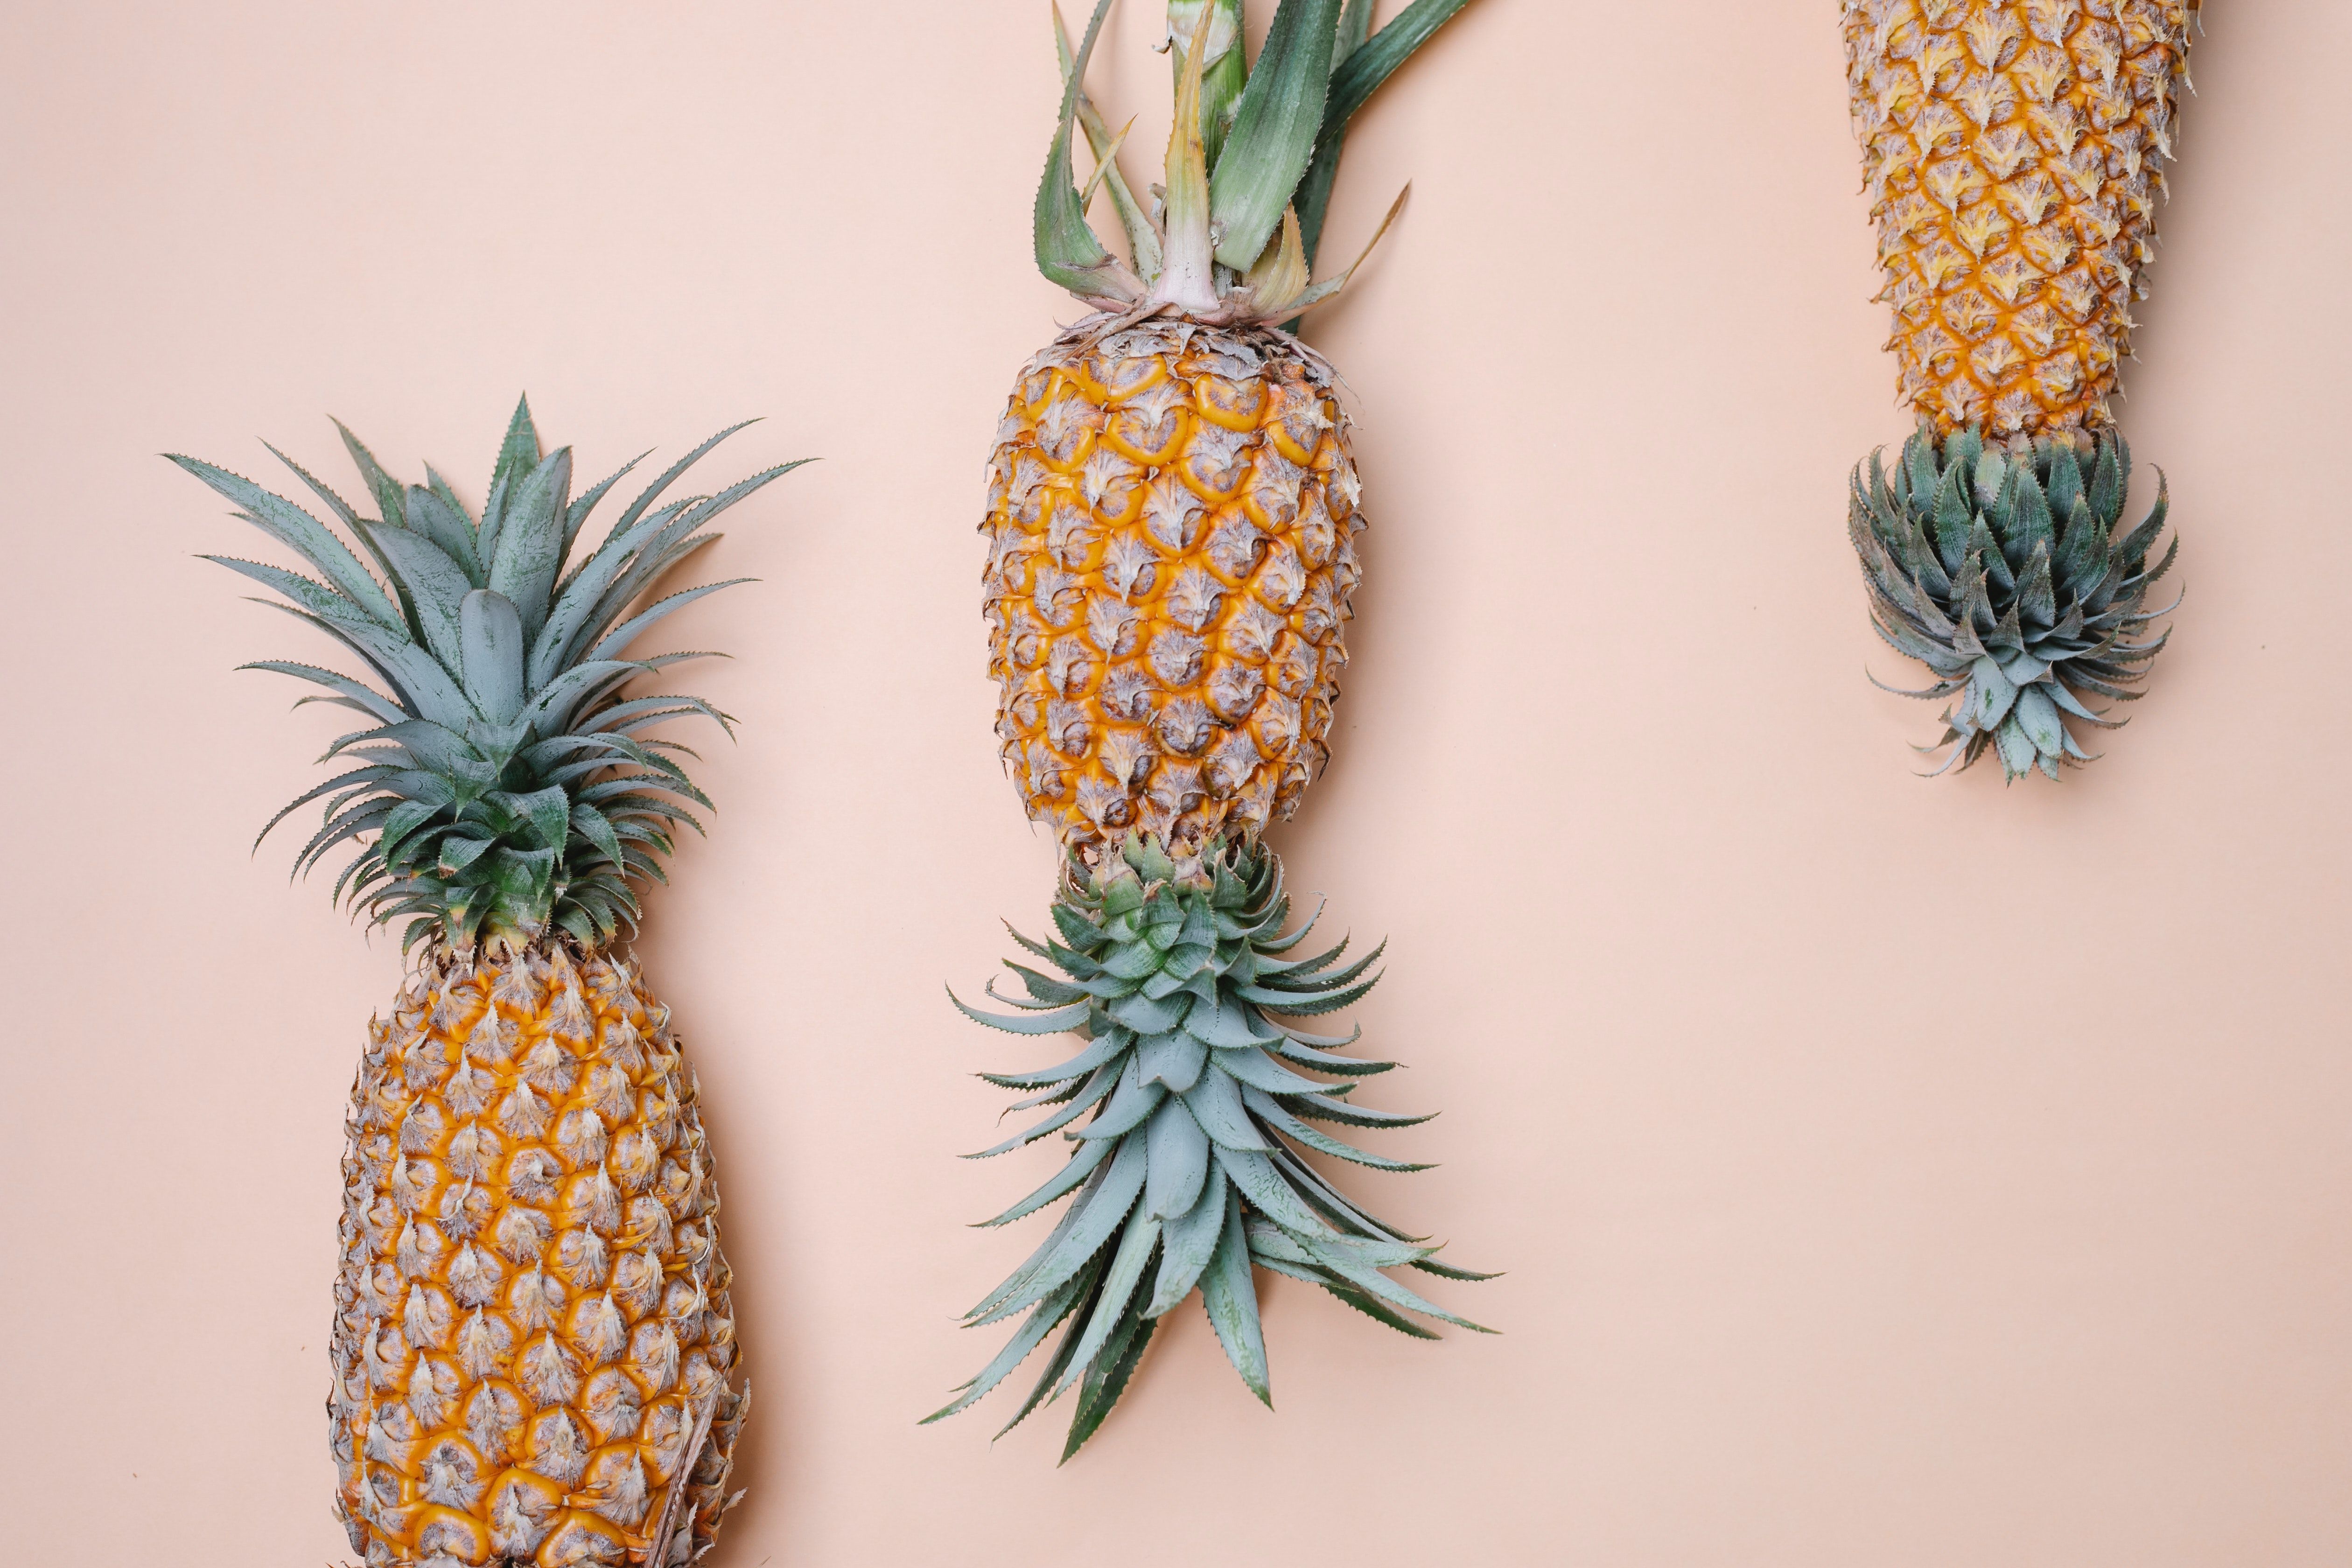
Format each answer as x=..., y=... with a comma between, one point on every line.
x=1888, y=1173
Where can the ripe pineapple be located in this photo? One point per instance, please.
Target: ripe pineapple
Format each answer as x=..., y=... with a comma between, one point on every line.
x=2012, y=149
x=1170, y=510
x=533, y=1346
x=1171, y=505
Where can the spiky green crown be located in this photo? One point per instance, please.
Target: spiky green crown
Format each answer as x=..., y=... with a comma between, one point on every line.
x=1192, y=1169
x=2006, y=572
x=1251, y=161
x=505, y=787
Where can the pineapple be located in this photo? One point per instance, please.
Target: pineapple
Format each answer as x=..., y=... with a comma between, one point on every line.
x=1171, y=515
x=2013, y=152
x=533, y=1351
x=1172, y=518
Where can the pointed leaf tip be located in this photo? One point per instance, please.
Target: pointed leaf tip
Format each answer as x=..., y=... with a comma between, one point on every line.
x=1068, y=252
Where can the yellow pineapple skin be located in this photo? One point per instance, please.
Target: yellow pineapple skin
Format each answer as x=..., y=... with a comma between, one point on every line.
x=2012, y=151
x=1171, y=513
x=533, y=1315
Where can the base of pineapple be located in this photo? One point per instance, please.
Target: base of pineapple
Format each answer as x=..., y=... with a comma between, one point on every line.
x=533, y=1345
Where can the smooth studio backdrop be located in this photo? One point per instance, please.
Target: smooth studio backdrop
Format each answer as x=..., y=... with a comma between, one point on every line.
x=1887, y=1173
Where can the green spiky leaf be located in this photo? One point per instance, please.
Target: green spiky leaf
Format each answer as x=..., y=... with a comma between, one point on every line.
x=502, y=795
x=1183, y=1176
x=2035, y=592
x=1275, y=126
x=1068, y=249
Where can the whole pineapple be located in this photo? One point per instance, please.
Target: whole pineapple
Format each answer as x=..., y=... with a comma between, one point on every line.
x=533, y=1346
x=1171, y=505
x=2013, y=152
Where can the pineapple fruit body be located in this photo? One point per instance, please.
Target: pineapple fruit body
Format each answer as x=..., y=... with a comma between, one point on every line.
x=533, y=1342
x=2013, y=152
x=1170, y=515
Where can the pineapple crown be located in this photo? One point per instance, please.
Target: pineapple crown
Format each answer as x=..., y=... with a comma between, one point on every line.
x=2010, y=574
x=1233, y=234
x=1192, y=1169
x=504, y=775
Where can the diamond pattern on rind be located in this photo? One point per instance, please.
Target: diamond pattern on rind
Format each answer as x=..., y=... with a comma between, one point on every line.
x=2012, y=149
x=517, y=1353
x=1187, y=692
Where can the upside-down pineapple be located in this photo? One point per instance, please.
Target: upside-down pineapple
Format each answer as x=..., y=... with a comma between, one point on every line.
x=533, y=1349
x=1170, y=510
x=2013, y=152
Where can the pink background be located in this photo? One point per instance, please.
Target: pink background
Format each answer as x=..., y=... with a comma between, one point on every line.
x=1888, y=1173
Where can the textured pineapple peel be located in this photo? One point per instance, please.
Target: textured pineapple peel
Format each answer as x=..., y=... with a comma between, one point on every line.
x=505, y=785
x=1192, y=1168
x=2010, y=574
x=1171, y=513
x=534, y=1347
x=2013, y=154
x=1251, y=158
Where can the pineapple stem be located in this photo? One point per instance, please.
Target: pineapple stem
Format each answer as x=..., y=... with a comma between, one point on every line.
x=1188, y=277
